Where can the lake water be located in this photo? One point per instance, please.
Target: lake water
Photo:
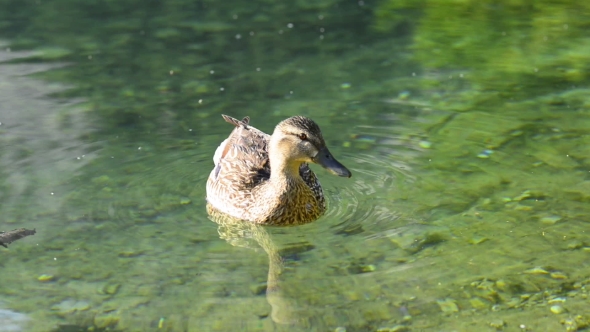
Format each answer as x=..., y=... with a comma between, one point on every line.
x=466, y=126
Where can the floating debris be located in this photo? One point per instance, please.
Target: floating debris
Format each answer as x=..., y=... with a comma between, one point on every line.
x=7, y=238
x=345, y=86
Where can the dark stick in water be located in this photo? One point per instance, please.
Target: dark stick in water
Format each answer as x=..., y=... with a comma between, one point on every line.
x=7, y=238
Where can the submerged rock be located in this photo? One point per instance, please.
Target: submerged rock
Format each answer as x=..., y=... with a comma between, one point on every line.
x=70, y=306
x=448, y=305
x=11, y=321
x=415, y=237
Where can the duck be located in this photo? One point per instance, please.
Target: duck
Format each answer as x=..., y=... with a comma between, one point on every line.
x=266, y=179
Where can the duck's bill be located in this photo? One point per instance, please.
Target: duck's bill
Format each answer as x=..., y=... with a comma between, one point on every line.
x=326, y=160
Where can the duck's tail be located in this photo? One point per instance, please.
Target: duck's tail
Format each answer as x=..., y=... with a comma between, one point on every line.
x=244, y=122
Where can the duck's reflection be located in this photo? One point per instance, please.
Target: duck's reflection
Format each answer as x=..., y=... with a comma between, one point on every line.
x=284, y=310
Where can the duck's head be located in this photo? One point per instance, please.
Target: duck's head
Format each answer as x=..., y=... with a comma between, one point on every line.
x=297, y=140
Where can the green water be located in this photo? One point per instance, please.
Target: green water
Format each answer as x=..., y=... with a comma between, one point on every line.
x=465, y=124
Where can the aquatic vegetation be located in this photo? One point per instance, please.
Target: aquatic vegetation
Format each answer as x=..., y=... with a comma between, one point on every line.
x=513, y=49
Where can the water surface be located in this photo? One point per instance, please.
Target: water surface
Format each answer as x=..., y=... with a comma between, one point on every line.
x=466, y=128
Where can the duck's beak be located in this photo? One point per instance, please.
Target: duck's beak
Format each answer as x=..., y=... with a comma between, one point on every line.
x=326, y=160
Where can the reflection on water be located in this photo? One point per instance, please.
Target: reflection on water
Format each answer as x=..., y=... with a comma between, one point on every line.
x=236, y=232
x=40, y=136
x=469, y=141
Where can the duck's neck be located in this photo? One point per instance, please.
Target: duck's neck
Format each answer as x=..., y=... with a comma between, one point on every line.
x=286, y=173
x=282, y=170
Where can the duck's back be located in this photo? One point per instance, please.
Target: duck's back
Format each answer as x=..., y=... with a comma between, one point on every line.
x=241, y=160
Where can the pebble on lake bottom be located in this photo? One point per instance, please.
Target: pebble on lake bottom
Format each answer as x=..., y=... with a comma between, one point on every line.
x=425, y=144
x=396, y=328
x=485, y=154
x=105, y=320
x=498, y=324
x=557, y=309
x=550, y=220
x=448, y=305
x=46, y=277
x=536, y=270
x=558, y=275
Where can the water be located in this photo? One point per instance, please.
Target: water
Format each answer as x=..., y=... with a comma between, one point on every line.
x=467, y=139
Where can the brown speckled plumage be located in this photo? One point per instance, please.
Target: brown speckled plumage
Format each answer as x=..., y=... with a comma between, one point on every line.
x=242, y=186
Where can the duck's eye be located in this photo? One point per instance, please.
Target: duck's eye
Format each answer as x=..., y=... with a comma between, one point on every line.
x=302, y=136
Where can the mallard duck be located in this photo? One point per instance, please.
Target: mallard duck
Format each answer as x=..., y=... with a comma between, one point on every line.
x=266, y=179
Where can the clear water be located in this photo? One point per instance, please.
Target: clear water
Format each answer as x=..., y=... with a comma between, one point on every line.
x=466, y=128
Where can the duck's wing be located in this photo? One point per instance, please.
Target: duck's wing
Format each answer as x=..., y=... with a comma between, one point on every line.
x=243, y=156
